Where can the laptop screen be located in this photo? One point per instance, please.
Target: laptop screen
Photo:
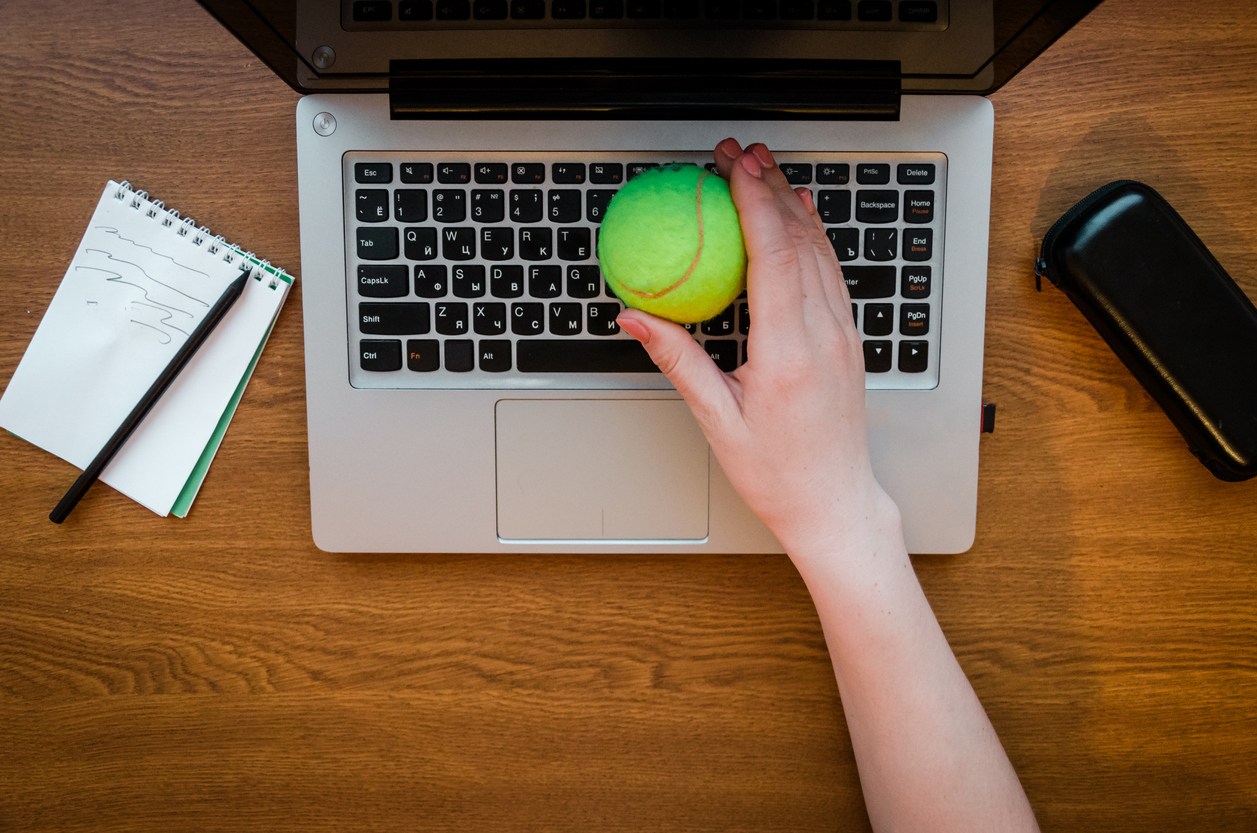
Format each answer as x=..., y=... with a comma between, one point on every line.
x=688, y=58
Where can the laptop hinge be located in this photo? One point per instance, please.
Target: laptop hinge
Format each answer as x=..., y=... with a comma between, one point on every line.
x=633, y=88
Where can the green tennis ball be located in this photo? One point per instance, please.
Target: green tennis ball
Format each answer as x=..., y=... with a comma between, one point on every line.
x=671, y=244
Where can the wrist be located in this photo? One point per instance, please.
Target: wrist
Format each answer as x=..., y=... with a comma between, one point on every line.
x=861, y=542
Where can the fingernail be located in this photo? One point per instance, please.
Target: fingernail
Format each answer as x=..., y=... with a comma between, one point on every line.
x=761, y=153
x=723, y=148
x=634, y=328
x=751, y=164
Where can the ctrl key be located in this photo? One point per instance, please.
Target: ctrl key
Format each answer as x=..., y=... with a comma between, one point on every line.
x=380, y=354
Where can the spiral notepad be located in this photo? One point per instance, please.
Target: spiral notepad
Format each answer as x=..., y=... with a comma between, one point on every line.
x=140, y=281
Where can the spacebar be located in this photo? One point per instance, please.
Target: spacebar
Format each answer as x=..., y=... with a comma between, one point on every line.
x=554, y=355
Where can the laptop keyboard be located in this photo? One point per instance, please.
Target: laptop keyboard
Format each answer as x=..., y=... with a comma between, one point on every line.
x=857, y=14
x=479, y=270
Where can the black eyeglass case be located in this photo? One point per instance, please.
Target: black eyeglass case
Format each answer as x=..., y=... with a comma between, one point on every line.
x=1169, y=311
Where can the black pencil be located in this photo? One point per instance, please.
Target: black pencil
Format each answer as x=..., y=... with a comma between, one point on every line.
x=154, y=393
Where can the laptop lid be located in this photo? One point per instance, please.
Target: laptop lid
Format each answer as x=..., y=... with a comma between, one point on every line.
x=777, y=59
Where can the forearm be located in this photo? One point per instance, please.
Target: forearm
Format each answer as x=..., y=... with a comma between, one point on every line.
x=928, y=756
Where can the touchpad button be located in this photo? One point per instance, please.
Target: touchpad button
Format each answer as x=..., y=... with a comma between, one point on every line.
x=627, y=469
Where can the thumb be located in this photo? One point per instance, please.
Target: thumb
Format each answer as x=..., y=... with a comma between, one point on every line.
x=691, y=371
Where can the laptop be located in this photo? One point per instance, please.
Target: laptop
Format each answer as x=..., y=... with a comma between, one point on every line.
x=467, y=387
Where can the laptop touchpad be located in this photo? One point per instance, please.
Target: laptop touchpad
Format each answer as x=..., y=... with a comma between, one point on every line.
x=627, y=469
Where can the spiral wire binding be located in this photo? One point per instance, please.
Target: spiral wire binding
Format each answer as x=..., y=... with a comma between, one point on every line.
x=258, y=267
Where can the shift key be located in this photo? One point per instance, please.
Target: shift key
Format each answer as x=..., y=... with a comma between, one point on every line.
x=869, y=281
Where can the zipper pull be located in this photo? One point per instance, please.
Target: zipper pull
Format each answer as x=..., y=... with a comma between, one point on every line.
x=1040, y=272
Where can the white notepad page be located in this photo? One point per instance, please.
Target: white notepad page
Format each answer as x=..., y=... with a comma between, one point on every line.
x=139, y=283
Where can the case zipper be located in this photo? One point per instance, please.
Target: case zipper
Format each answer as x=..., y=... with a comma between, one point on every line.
x=1041, y=269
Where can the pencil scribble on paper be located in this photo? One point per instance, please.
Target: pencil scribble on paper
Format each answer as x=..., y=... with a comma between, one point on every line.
x=166, y=315
x=116, y=233
x=164, y=335
x=147, y=275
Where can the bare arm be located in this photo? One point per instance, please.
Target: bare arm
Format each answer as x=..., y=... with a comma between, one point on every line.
x=789, y=430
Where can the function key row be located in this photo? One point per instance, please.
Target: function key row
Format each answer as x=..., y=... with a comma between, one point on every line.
x=574, y=173
x=483, y=205
x=868, y=11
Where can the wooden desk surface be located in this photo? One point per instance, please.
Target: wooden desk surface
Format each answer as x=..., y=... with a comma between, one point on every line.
x=220, y=673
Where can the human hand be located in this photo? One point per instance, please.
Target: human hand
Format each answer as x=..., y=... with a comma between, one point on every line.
x=789, y=425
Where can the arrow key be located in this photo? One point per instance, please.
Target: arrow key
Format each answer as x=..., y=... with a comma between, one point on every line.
x=877, y=356
x=913, y=356
x=879, y=319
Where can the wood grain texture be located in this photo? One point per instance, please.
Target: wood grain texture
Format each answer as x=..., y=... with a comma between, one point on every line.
x=220, y=673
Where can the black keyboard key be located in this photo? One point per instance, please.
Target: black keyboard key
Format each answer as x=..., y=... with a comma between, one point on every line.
x=567, y=9
x=606, y=173
x=459, y=355
x=596, y=203
x=497, y=243
x=449, y=205
x=506, y=281
x=877, y=356
x=458, y=243
x=371, y=205
x=916, y=173
x=759, y=9
x=377, y=243
x=606, y=9
x=680, y=9
x=410, y=205
x=914, y=282
x=423, y=355
x=488, y=319
x=545, y=281
x=528, y=9
x=833, y=206
x=565, y=318
x=536, y=243
x=797, y=10
x=869, y=281
x=490, y=173
x=831, y=174
x=722, y=9
x=914, y=320
x=563, y=206
x=881, y=243
x=918, y=11
x=583, y=281
x=797, y=173
x=381, y=355
x=720, y=325
x=855, y=313
x=833, y=9
x=383, y=281
x=874, y=11
x=918, y=206
x=879, y=319
x=644, y=8
x=876, y=206
x=431, y=281
x=528, y=173
x=914, y=356
x=867, y=173
x=372, y=11
x=744, y=319
x=611, y=293
x=495, y=356
x=600, y=319
x=846, y=242
x=420, y=243
x=489, y=10
x=918, y=244
x=639, y=168
x=467, y=281
x=723, y=353
x=416, y=173
x=453, y=9
x=373, y=172
x=526, y=205
x=527, y=320
x=450, y=318
x=567, y=173
x=393, y=319
x=551, y=355
x=573, y=244
x=488, y=205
